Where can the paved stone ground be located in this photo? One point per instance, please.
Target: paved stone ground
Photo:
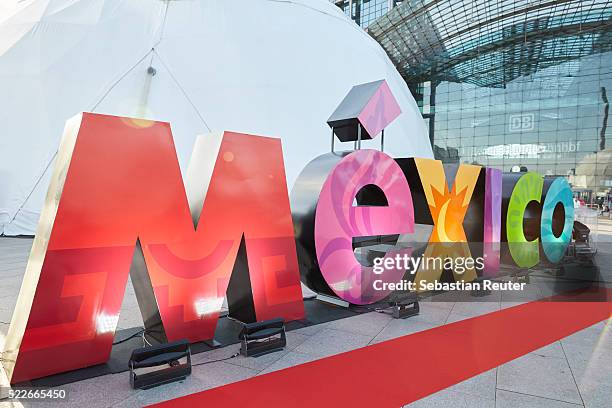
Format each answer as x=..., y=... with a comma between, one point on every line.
x=573, y=372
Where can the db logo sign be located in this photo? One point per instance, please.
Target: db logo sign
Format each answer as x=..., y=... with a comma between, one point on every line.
x=522, y=122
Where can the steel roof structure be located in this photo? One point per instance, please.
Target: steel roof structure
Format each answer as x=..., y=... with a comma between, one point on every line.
x=490, y=43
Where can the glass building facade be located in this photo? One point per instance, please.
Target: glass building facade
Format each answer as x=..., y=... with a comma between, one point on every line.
x=516, y=85
x=364, y=12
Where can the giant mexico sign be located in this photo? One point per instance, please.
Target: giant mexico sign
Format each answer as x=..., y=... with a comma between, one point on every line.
x=117, y=206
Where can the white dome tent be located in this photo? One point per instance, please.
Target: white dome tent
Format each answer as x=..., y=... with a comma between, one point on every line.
x=269, y=67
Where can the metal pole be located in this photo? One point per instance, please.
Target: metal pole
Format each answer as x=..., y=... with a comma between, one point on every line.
x=359, y=136
x=382, y=141
x=332, y=141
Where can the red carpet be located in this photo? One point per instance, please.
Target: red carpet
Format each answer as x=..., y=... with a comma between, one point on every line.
x=399, y=371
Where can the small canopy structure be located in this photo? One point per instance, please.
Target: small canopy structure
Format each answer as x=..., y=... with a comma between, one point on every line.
x=269, y=67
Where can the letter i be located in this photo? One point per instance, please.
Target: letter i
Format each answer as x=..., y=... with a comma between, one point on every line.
x=492, y=221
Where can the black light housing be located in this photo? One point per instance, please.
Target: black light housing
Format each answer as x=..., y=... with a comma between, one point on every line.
x=262, y=338
x=167, y=355
x=404, y=305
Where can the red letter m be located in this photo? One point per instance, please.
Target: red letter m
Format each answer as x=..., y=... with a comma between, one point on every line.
x=116, y=182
